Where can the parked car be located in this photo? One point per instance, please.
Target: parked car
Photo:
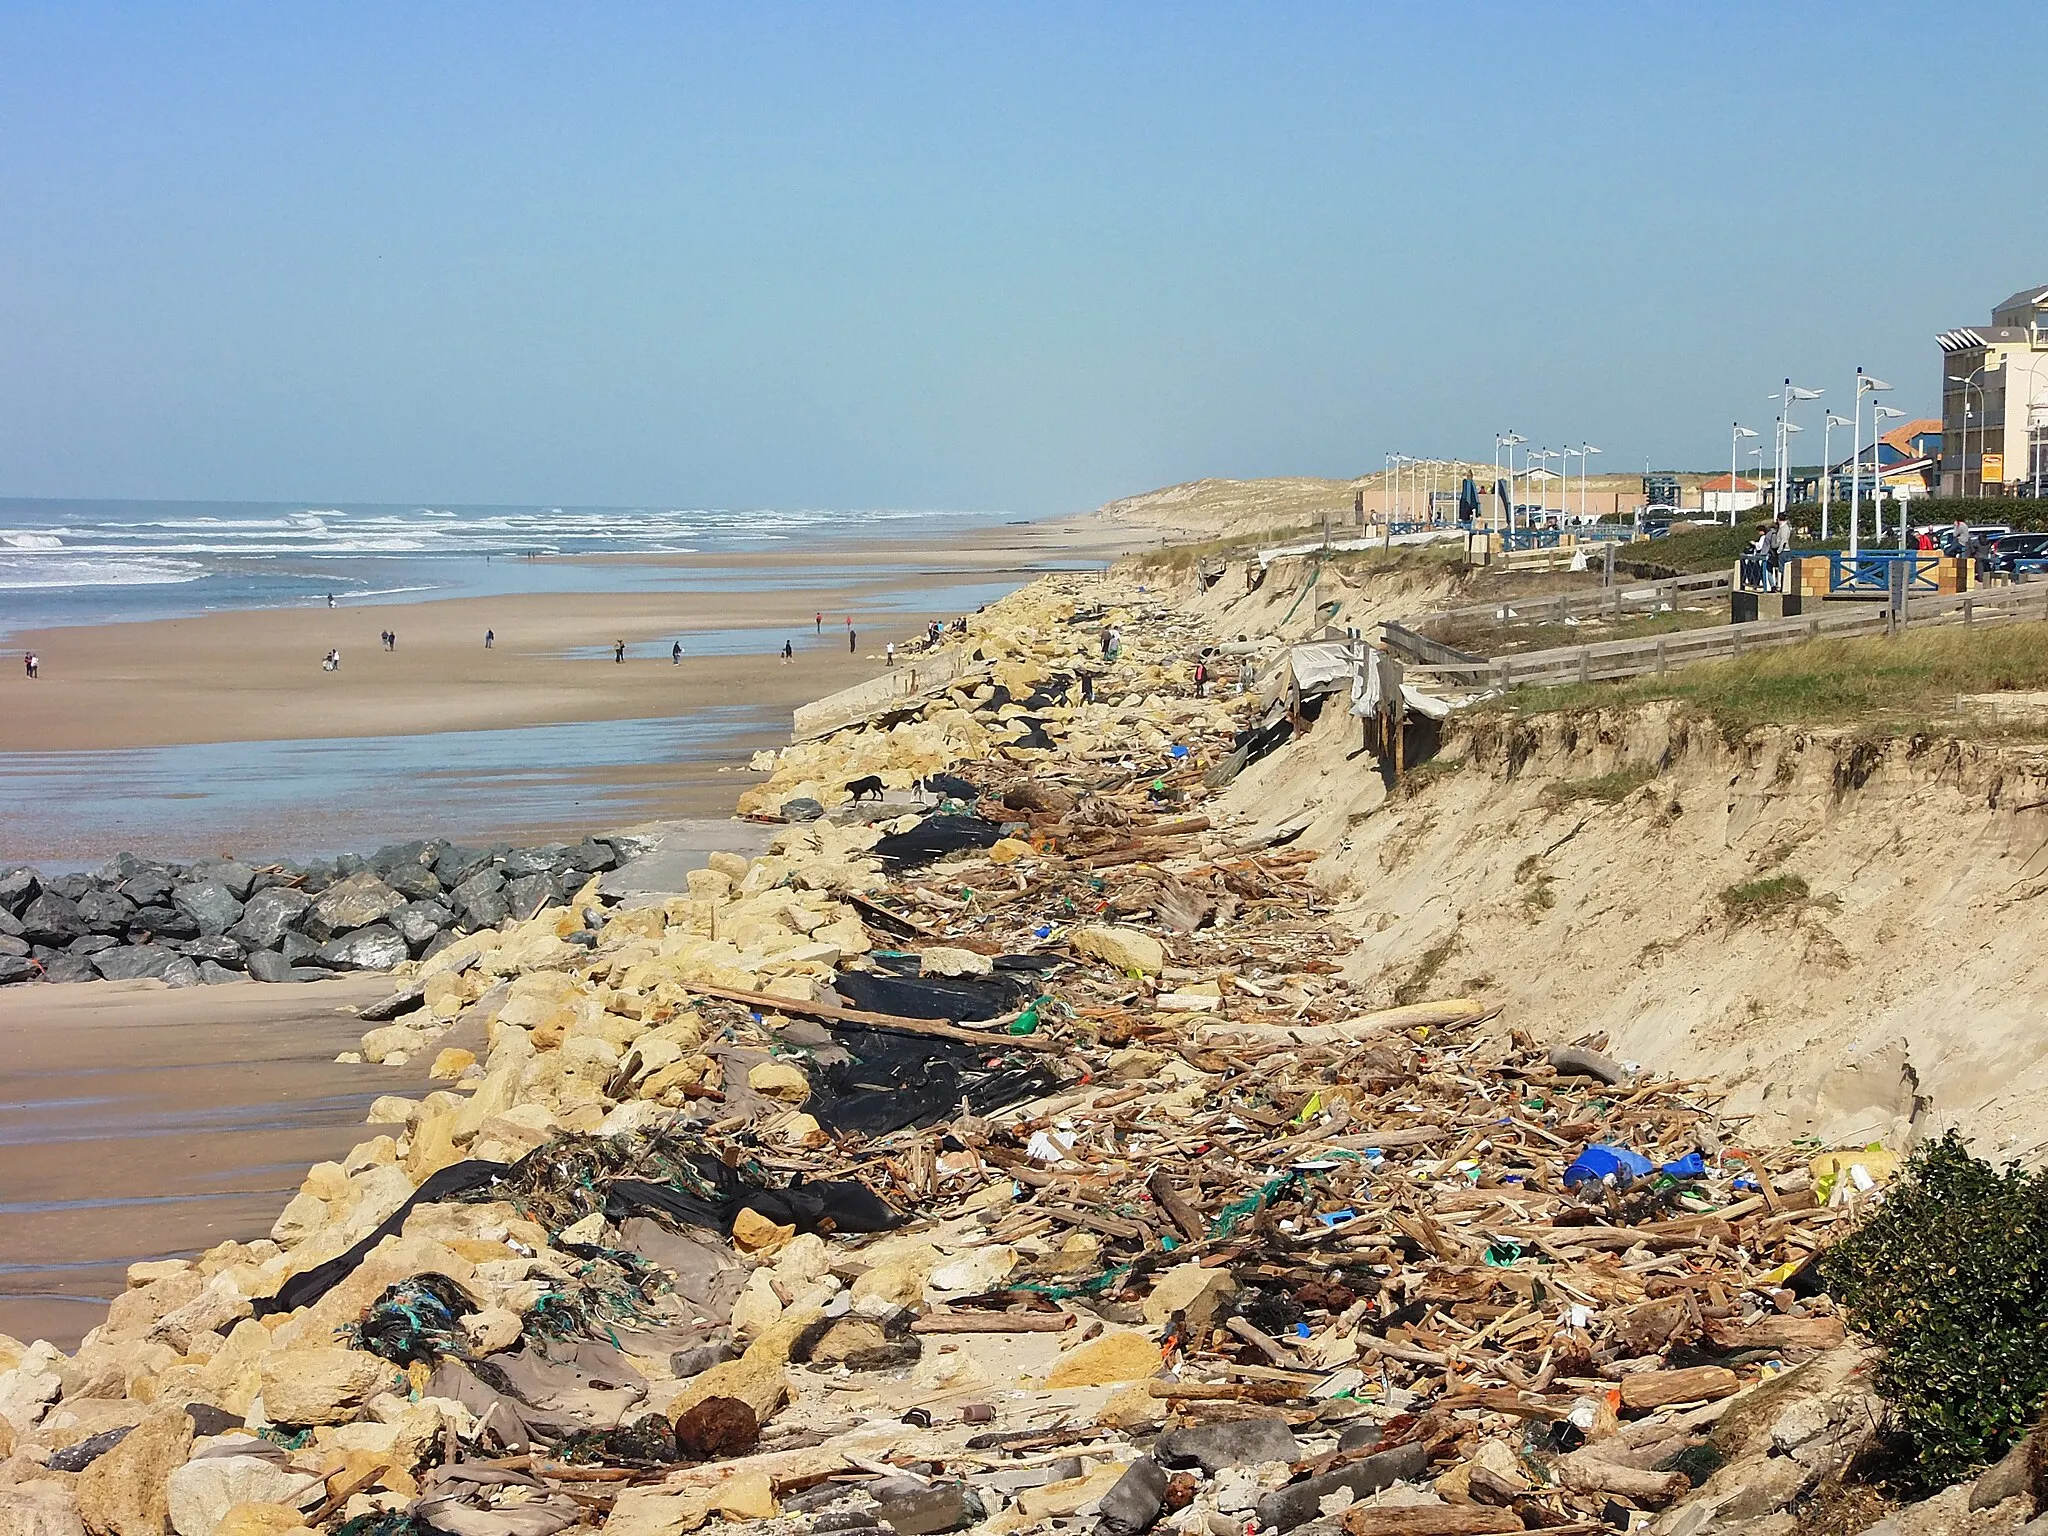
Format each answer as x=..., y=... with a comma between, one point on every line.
x=2020, y=552
x=1983, y=533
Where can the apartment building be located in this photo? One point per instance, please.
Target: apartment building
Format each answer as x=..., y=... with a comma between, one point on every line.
x=1994, y=400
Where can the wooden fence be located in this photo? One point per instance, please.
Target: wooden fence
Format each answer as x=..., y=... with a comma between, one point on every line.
x=1607, y=660
x=1555, y=608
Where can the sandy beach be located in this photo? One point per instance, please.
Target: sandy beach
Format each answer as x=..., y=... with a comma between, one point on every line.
x=256, y=675
x=128, y=738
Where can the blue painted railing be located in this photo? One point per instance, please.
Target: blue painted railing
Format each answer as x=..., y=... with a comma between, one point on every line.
x=1870, y=570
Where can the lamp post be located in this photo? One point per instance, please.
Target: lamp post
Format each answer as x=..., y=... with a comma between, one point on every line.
x=1827, y=470
x=1865, y=384
x=1963, y=462
x=1584, y=450
x=1735, y=438
x=1781, y=477
x=1877, y=414
x=1758, y=455
x=1509, y=442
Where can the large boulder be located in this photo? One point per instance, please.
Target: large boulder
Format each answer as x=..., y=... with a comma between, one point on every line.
x=61, y=967
x=323, y=1385
x=218, y=948
x=182, y=972
x=209, y=904
x=202, y=1491
x=162, y=923
x=415, y=882
x=356, y=902
x=417, y=922
x=19, y=887
x=107, y=912
x=529, y=893
x=131, y=962
x=40, y=1507
x=238, y=877
x=92, y=944
x=376, y=948
x=16, y=968
x=124, y=1492
x=480, y=900
x=591, y=857
x=53, y=920
x=456, y=864
x=269, y=965
x=534, y=861
x=148, y=888
x=266, y=917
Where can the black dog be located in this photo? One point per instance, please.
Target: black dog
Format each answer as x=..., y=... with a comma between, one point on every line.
x=871, y=785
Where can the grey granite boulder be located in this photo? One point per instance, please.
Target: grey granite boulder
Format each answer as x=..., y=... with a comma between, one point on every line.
x=181, y=973
x=162, y=923
x=52, y=919
x=106, y=911
x=415, y=882
x=238, y=877
x=214, y=949
x=209, y=904
x=148, y=888
x=16, y=968
x=19, y=887
x=417, y=922
x=131, y=962
x=269, y=965
x=267, y=916
x=351, y=903
x=376, y=948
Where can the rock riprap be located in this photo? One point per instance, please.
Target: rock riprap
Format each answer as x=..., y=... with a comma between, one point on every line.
x=225, y=920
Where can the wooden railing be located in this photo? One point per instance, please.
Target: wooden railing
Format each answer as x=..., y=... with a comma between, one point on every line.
x=1556, y=607
x=1607, y=660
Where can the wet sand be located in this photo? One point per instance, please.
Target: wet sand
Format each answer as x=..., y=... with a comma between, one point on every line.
x=138, y=1122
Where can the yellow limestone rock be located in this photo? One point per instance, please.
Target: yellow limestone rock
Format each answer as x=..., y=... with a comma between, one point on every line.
x=727, y=863
x=1008, y=850
x=780, y=1081
x=1113, y=1358
x=763, y=1385
x=750, y=1496
x=124, y=1492
x=1192, y=1291
x=756, y=1234
x=656, y=1512
x=1128, y=949
x=433, y=1146
x=451, y=1063
x=321, y=1386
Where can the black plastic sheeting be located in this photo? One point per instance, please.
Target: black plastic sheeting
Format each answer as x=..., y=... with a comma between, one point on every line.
x=935, y=837
x=934, y=997
x=821, y=1206
x=952, y=786
x=879, y=1081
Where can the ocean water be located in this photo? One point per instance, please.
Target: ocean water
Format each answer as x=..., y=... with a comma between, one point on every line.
x=90, y=562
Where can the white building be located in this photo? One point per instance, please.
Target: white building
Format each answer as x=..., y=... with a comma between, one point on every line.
x=1724, y=494
x=1994, y=400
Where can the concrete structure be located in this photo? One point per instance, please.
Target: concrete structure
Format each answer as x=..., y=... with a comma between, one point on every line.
x=1718, y=498
x=1994, y=424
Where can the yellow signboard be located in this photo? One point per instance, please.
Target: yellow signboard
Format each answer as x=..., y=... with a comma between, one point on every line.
x=1994, y=468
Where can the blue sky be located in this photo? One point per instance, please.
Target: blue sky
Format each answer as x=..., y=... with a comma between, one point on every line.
x=970, y=256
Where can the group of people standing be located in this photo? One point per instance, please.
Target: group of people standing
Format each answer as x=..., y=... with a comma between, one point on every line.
x=31, y=663
x=1763, y=563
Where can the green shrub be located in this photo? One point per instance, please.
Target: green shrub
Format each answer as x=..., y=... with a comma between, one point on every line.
x=1755, y=899
x=1950, y=1278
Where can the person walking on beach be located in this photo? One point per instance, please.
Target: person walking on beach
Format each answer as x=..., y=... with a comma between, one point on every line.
x=619, y=651
x=819, y=624
x=30, y=663
x=788, y=652
x=330, y=599
x=889, y=652
x=490, y=636
x=852, y=641
x=675, y=653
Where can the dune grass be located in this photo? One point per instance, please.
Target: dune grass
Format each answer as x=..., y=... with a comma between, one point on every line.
x=1891, y=685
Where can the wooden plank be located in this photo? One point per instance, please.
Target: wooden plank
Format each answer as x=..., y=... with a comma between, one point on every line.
x=936, y=1028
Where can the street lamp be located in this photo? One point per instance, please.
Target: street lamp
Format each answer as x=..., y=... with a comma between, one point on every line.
x=1735, y=438
x=1864, y=385
x=1877, y=414
x=1508, y=441
x=1584, y=450
x=1758, y=455
x=1963, y=462
x=1827, y=469
x=1781, y=477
